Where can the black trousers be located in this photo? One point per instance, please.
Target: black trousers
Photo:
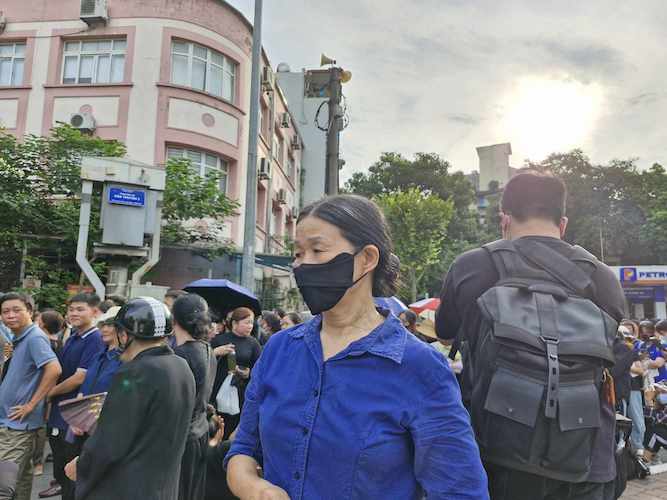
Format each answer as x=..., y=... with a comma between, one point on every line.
x=509, y=484
x=63, y=453
x=192, y=485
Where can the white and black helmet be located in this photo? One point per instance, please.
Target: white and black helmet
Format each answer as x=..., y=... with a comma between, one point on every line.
x=145, y=318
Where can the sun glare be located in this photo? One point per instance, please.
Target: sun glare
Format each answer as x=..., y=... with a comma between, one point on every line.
x=543, y=115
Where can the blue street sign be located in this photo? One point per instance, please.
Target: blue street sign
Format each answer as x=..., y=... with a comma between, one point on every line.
x=131, y=197
x=639, y=294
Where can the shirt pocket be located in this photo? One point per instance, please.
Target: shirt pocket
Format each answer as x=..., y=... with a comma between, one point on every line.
x=384, y=463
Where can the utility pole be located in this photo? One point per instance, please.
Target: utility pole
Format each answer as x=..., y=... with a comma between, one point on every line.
x=328, y=83
x=250, y=226
x=333, y=133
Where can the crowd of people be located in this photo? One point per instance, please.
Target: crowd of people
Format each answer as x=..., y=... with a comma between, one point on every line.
x=512, y=393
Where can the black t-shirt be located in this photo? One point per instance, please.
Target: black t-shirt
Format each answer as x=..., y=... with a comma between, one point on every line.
x=473, y=273
x=202, y=363
x=625, y=356
x=247, y=353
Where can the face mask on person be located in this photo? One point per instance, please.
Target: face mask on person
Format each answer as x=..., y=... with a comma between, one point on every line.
x=663, y=339
x=662, y=399
x=324, y=285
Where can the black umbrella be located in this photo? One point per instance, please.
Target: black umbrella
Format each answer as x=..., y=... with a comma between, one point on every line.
x=224, y=295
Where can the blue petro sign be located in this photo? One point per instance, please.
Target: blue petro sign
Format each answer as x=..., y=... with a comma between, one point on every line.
x=130, y=197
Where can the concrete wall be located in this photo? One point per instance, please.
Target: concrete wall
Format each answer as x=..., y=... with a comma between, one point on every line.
x=315, y=146
x=494, y=165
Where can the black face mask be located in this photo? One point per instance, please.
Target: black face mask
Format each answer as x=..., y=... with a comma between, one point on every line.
x=324, y=285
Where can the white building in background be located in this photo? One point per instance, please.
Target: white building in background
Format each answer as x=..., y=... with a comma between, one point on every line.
x=494, y=172
x=304, y=110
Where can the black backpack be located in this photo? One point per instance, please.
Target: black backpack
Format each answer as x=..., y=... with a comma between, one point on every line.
x=539, y=360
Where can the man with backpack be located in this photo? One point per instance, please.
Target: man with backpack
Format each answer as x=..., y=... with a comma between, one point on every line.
x=536, y=319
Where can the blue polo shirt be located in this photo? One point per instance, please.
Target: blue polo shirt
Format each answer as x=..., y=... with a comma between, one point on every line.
x=655, y=352
x=32, y=351
x=101, y=372
x=79, y=351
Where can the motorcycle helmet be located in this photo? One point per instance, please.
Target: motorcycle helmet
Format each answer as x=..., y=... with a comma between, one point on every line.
x=145, y=318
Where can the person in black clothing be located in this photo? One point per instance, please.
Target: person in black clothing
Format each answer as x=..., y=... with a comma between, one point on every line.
x=270, y=324
x=532, y=207
x=216, y=479
x=135, y=452
x=191, y=327
x=237, y=341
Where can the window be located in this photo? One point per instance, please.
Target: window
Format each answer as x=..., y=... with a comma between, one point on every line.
x=291, y=168
x=201, y=68
x=281, y=151
x=203, y=163
x=94, y=61
x=12, y=59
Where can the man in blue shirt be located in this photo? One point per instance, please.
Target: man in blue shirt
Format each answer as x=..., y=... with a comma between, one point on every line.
x=32, y=373
x=80, y=350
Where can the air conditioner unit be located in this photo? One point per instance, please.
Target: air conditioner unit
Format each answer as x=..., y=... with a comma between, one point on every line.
x=285, y=120
x=85, y=122
x=94, y=12
x=264, y=170
x=267, y=78
x=295, y=143
x=295, y=213
x=282, y=197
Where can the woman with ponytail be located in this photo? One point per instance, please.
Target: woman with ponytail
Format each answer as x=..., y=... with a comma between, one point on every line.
x=191, y=328
x=350, y=404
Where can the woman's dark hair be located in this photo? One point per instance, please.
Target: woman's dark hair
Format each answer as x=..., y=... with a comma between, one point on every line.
x=295, y=318
x=410, y=317
x=53, y=321
x=273, y=320
x=191, y=313
x=238, y=314
x=361, y=222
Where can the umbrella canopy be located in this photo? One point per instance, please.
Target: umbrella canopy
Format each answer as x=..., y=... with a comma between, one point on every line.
x=394, y=304
x=425, y=305
x=224, y=295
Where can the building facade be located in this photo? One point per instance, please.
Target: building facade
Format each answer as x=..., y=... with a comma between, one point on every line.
x=305, y=110
x=169, y=79
x=645, y=288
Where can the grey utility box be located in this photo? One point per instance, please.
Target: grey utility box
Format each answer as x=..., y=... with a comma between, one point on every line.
x=129, y=199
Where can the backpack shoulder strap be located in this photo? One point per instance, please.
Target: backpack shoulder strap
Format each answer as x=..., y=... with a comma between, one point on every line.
x=559, y=266
x=503, y=256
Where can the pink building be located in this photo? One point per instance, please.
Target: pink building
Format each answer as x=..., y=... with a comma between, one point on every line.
x=169, y=78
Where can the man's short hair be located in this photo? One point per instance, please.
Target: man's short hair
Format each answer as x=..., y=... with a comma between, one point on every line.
x=534, y=195
x=87, y=298
x=27, y=300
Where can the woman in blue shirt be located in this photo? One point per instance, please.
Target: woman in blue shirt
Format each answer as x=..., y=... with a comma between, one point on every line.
x=350, y=405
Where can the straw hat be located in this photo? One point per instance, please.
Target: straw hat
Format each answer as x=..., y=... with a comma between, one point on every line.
x=426, y=327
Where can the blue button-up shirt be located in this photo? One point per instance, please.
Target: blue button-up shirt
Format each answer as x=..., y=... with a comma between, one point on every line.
x=381, y=419
x=79, y=351
x=32, y=351
x=101, y=372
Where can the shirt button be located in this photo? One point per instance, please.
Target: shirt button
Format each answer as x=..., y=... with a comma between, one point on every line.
x=297, y=476
x=305, y=431
x=316, y=393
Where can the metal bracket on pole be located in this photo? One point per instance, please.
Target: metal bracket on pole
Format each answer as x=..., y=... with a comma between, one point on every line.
x=82, y=244
x=154, y=256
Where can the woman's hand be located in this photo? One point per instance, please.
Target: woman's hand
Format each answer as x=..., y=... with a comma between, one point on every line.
x=223, y=350
x=266, y=491
x=76, y=431
x=220, y=433
x=244, y=373
x=70, y=469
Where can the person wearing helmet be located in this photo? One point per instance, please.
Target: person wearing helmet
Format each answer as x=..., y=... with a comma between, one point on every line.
x=135, y=452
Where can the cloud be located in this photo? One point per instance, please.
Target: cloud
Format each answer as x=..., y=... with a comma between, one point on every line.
x=435, y=75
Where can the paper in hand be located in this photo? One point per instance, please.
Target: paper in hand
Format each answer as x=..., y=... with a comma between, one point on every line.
x=83, y=412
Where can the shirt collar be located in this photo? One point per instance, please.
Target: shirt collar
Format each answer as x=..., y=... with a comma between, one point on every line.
x=86, y=333
x=387, y=340
x=24, y=333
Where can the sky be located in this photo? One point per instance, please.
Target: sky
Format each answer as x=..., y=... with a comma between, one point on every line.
x=446, y=76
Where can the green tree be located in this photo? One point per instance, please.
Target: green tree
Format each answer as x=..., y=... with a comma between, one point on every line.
x=610, y=206
x=39, y=202
x=418, y=223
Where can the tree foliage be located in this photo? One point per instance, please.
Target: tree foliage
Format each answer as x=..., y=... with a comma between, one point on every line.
x=615, y=210
x=39, y=202
x=418, y=223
